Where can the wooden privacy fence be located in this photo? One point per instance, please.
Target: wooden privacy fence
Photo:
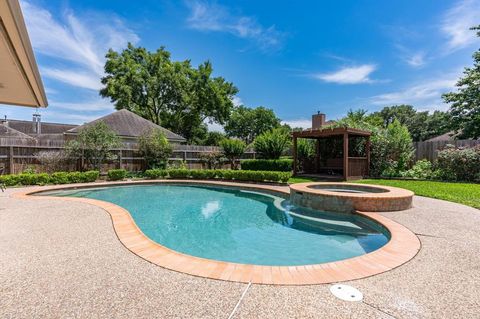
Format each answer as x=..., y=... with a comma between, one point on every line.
x=429, y=150
x=17, y=157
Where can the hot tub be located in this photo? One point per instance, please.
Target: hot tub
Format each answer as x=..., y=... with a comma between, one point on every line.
x=349, y=197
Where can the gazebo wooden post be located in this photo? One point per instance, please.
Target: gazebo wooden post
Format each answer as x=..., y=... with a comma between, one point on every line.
x=367, y=150
x=294, y=151
x=345, y=155
x=317, y=155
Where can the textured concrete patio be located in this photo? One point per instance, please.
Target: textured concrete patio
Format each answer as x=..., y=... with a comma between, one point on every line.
x=64, y=260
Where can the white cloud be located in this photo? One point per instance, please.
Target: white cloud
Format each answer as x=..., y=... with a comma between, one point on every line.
x=303, y=123
x=75, y=78
x=349, y=75
x=425, y=95
x=416, y=59
x=91, y=105
x=209, y=16
x=82, y=43
x=457, y=22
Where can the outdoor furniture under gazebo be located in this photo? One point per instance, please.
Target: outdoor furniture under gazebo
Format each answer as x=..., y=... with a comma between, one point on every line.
x=336, y=158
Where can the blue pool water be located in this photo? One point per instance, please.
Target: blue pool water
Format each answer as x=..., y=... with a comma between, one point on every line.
x=240, y=226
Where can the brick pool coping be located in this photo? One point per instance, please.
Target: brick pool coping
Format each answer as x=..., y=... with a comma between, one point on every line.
x=402, y=247
x=389, y=199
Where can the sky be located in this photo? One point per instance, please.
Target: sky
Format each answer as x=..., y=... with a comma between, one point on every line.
x=294, y=57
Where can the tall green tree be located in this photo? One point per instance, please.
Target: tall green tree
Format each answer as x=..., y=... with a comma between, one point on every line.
x=95, y=143
x=465, y=102
x=421, y=125
x=155, y=148
x=172, y=94
x=233, y=149
x=272, y=144
x=247, y=123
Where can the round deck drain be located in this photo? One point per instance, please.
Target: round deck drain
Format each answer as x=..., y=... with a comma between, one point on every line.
x=347, y=293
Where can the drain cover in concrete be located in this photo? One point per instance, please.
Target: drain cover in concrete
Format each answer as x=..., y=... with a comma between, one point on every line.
x=347, y=293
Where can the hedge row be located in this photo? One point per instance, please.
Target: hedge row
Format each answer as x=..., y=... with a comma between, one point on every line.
x=224, y=174
x=281, y=165
x=44, y=178
x=116, y=174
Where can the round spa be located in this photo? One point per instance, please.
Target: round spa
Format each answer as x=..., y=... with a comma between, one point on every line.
x=349, y=197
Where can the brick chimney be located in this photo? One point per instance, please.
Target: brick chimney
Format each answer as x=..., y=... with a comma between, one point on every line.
x=318, y=120
x=37, y=124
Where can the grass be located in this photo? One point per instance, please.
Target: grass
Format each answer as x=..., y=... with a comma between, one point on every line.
x=462, y=193
x=295, y=180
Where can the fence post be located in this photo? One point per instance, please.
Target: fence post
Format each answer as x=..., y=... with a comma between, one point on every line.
x=120, y=159
x=11, y=162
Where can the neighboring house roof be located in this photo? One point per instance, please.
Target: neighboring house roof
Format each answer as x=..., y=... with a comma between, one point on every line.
x=128, y=124
x=6, y=131
x=449, y=136
x=27, y=127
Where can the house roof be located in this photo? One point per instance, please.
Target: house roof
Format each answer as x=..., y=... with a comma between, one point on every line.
x=27, y=127
x=449, y=136
x=128, y=124
x=6, y=131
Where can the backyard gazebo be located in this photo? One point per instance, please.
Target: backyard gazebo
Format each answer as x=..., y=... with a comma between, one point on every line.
x=334, y=156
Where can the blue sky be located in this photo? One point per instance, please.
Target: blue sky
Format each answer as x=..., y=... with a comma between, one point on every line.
x=319, y=55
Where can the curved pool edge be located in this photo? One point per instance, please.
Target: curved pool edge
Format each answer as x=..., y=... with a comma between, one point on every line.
x=388, y=200
x=402, y=246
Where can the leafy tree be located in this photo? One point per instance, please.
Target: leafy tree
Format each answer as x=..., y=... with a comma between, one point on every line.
x=421, y=125
x=155, y=148
x=212, y=160
x=169, y=93
x=233, y=149
x=247, y=123
x=213, y=139
x=391, y=146
x=95, y=143
x=465, y=103
x=272, y=144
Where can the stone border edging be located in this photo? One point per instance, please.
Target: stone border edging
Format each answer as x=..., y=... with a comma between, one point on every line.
x=402, y=247
x=389, y=199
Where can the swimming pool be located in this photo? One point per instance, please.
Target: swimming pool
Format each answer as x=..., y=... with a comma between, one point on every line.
x=235, y=225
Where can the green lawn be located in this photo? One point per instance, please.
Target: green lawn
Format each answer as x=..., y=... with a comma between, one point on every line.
x=462, y=193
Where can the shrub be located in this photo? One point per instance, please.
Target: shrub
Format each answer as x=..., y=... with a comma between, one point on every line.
x=224, y=174
x=233, y=149
x=391, y=151
x=44, y=178
x=155, y=173
x=59, y=178
x=155, y=148
x=422, y=169
x=116, y=174
x=460, y=164
x=90, y=176
x=75, y=177
x=10, y=180
x=281, y=165
x=272, y=144
x=178, y=173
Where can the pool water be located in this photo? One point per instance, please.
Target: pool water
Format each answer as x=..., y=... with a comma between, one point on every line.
x=235, y=225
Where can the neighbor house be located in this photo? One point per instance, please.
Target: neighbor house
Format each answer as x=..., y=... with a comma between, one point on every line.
x=127, y=125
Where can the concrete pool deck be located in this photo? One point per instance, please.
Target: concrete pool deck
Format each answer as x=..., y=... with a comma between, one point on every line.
x=62, y=259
